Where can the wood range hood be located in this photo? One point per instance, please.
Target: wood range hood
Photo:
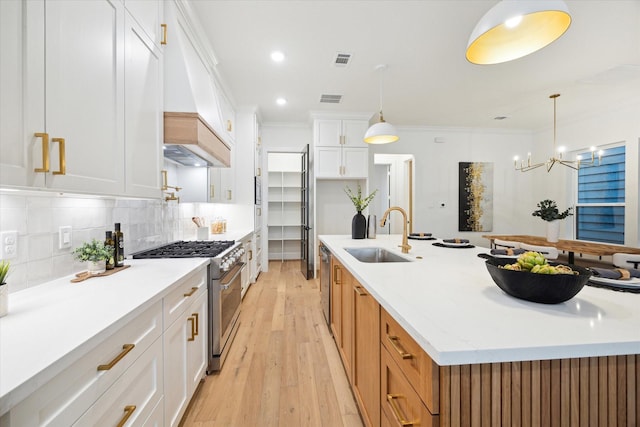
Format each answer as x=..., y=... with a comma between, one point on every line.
x=188, y=134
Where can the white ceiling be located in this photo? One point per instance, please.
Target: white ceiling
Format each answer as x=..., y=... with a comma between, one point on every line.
x=595, y=65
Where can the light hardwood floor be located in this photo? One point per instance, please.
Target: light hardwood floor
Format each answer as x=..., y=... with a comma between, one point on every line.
x=283, y=368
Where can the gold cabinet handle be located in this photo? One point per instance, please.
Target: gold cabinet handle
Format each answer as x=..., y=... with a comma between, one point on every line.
x=193, y=291
x=336, y=268
x=229, y=126
x=396, y=346
x=45, y=151
x=212, y=191
x=195, y=315
x=250, y=254
x=62, y=157
x=128, y=411
x=125, y=349
x=193, y=328
x=164, y=34
x=360, y=291
x=229, y=194
x=391, y=398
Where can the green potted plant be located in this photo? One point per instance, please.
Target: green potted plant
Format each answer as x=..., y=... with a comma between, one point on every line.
x=4, y=288
x=549, y=212
x=96, y=254
x=359, y=222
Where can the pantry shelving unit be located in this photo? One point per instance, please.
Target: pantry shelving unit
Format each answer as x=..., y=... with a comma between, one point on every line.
x=284, y=197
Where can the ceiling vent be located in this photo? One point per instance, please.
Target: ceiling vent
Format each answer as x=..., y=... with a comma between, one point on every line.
x=330, y=99
x=342, y=59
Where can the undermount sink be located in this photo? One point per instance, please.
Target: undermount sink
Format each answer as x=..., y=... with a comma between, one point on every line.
x=375, y=255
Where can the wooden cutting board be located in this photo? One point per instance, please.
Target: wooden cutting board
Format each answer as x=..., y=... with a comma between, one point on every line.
x=82, y=276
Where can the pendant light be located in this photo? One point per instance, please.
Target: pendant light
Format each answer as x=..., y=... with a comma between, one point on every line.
x=381, y=132
x=515, y=28
x=557, y=153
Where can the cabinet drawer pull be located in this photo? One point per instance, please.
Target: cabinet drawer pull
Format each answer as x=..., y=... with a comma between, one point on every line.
x=45, y=152
x=62, y=157
x=335, y=274
x=128, y=411
x=396, y=410
x=193, y=328
x=195, y=315
x=212, y=191
x=125, y=349
x=193, y=291
x=164, y=34
x=250, y=254
x=360, y=291
x=229, y=195
x=396, y=346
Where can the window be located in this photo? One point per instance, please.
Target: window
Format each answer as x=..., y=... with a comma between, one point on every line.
x=600, y=207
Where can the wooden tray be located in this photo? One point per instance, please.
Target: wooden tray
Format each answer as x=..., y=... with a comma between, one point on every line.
x=82, y=276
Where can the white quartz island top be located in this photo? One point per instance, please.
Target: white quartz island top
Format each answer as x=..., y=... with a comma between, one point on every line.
x=51, y=325
x=450, y=305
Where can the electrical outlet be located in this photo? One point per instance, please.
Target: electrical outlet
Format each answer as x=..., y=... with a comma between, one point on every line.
x=64, y=237
x=8, y=244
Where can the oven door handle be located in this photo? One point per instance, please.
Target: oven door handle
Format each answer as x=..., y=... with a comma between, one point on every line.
x=235, y=271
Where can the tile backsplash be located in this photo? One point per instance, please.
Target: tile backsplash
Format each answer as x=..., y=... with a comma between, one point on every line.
x=37, y=218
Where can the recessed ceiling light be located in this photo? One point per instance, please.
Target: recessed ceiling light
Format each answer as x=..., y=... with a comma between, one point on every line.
x=277, y=56
x=281, y=101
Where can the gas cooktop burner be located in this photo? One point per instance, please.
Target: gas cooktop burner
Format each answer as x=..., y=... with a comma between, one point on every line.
x=187, y=249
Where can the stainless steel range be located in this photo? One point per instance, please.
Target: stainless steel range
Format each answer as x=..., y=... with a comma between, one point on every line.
x=224, y=285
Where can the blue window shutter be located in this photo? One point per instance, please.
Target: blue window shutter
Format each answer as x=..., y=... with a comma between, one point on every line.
x=599, y=186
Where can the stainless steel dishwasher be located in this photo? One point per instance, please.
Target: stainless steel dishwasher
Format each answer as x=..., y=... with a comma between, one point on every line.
x=325, y=284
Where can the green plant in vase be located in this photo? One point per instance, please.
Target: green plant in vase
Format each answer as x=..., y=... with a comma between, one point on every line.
x=96, y=254
x=4, y=291
x=549, y=212
x=4, y=271
x=359, y=222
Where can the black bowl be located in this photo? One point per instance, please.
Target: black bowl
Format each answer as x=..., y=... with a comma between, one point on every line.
x=542, y=288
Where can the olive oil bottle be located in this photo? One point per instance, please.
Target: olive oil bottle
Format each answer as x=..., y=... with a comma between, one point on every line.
x=108, y=241
x=118, y=239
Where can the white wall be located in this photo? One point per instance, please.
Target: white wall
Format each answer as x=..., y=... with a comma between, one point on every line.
x=436, y=171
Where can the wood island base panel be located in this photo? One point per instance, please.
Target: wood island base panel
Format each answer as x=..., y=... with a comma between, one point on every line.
x=593, y=391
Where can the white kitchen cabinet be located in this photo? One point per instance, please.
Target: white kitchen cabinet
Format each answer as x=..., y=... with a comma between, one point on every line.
x=248, y=272
x=62, y=400
x=184, y=346
x=339, y=149
x=143, y=108
x=149, y=16
x=63, y=124
x=133, y=398
x=336, y=133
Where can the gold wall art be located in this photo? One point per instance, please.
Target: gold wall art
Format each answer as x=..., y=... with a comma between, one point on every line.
x=475, y=196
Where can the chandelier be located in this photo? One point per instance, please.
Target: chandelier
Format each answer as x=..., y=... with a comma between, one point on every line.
x=573, y=164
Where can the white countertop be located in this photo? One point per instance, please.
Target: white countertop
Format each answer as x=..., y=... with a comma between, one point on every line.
x=51, y=325
x=450, y=305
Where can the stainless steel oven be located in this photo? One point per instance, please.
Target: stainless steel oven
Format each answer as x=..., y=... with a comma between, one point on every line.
x=224, y=310
x=224, y=286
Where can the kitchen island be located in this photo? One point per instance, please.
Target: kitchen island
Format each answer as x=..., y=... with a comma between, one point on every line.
x=500, y=357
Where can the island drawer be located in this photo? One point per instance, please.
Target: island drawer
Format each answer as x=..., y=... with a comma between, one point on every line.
x=421, y=372
x=401, y=404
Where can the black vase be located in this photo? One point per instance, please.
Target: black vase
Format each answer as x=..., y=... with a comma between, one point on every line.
x=358, y=226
